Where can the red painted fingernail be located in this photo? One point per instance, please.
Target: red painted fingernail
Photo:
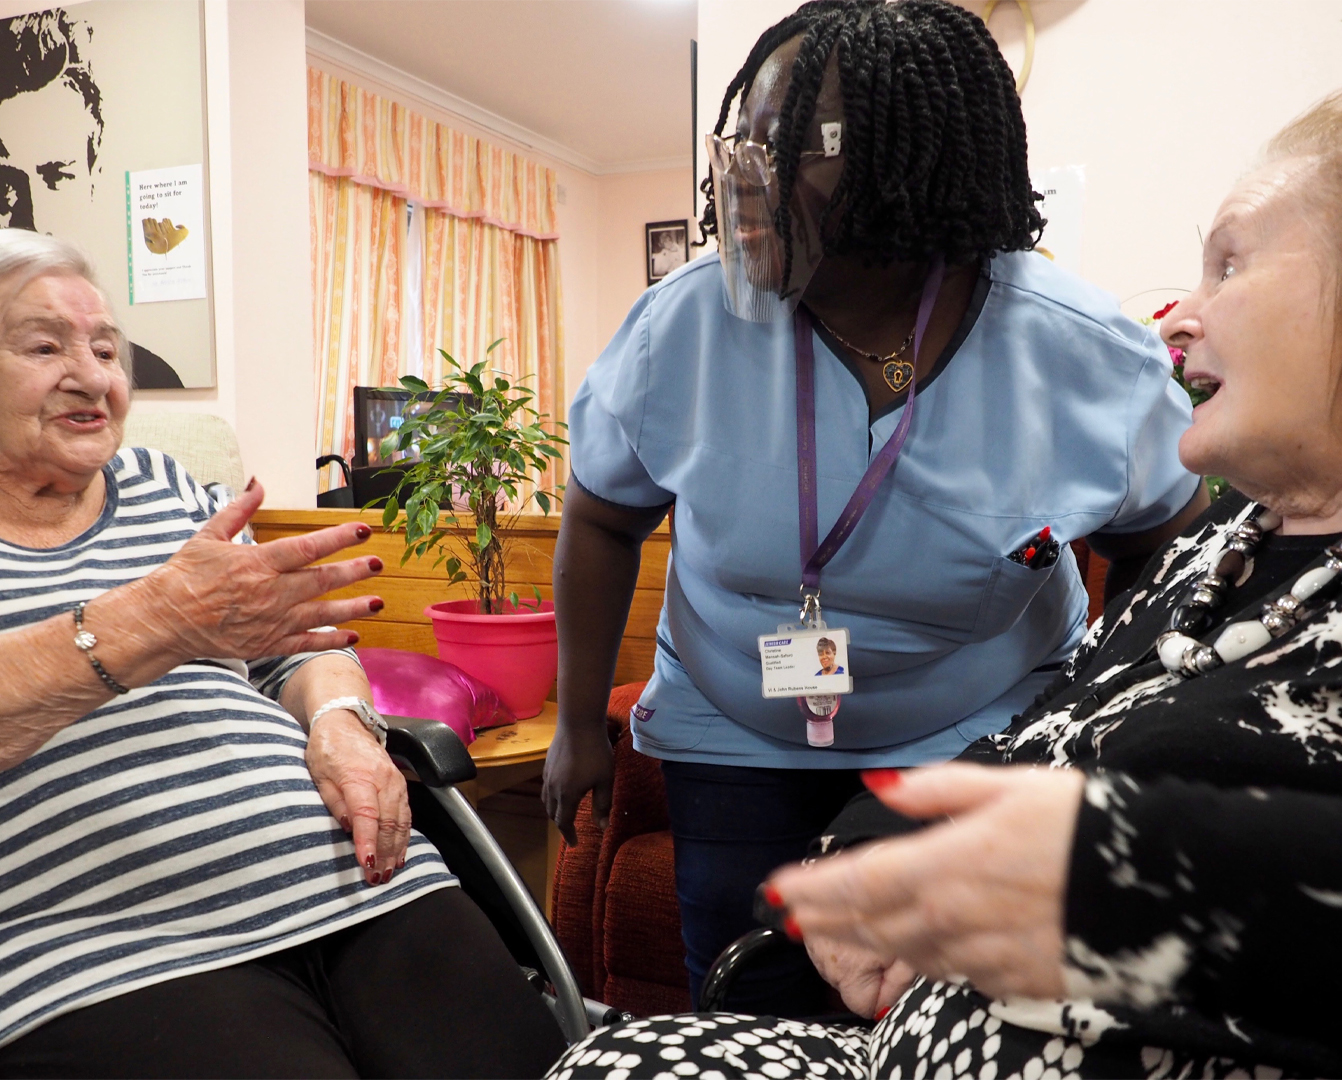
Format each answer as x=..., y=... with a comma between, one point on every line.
x=375, y=565
x=250, y=484
x=344, y=824
x=791, y=929
x=773, y=897
x=351, y=639
x=882, y=779
x=400, y=863
x=881, y=1013
x=363, y=532
x=376, y=606
x=370, y=862
x=387, y=876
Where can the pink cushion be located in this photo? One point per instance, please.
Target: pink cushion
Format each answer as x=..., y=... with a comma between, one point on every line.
x=412, y=684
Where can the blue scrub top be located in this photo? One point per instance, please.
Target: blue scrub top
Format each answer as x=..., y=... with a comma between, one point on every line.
x=1053, y=409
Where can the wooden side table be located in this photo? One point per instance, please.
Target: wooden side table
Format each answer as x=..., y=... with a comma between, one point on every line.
x=507, y=756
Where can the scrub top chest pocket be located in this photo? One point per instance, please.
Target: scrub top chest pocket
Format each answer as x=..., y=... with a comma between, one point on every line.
x=1011, y=588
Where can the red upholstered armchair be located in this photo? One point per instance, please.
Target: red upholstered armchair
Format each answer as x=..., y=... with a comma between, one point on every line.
x=613, y=904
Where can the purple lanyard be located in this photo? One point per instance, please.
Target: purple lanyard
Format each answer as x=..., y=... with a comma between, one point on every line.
x=815, y=556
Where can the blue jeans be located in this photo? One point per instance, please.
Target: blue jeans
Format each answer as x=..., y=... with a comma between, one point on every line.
x=732, y=826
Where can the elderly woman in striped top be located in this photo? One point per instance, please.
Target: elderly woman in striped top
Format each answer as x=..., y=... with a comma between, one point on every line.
x=206, y=860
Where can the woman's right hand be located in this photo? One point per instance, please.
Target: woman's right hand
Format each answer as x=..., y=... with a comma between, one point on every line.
x=222, y=600
x=979, y=896
x=580, y=760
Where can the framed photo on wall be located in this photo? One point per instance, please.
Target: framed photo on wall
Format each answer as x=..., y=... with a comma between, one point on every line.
x=668, y=246
x=83, y=114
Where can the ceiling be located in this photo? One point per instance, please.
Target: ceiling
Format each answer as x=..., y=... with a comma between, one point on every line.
x=601, y=84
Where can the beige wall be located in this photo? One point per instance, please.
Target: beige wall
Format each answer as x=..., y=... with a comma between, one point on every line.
x=627, y=202
x=256, y=139
x=261, y=273
x=256, y=103
x=1163, y=101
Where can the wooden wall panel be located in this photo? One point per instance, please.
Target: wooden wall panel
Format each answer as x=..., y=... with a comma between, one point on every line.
x=408, y=589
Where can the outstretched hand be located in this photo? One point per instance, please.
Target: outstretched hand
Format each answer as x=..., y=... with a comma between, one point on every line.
x=223, y=600
x=978, y=897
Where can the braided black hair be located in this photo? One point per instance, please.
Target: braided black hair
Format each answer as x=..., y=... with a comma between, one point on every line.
x=934, y=140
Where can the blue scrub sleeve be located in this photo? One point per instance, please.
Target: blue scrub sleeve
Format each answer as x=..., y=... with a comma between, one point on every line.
x=606, y=418
x=1159, y=412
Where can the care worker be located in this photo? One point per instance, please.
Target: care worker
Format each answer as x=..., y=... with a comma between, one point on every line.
x=879, y=416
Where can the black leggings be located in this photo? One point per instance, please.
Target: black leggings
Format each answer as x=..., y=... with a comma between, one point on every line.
x=425, y=990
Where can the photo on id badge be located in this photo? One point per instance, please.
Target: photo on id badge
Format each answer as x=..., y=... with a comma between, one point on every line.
x=795, y=663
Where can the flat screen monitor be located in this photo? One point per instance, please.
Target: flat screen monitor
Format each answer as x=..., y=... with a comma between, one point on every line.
x=378, y=411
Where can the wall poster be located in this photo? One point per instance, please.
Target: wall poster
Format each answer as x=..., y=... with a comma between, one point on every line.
x=165, y=233
x=83, y=110
x=1064, y=191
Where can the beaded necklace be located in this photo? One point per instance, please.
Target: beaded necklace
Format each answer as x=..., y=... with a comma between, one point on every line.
x=896, y=373
x=1179, y=652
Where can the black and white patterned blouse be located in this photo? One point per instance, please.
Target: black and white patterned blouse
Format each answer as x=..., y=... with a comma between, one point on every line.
x=1204, y=905
x=176, y=828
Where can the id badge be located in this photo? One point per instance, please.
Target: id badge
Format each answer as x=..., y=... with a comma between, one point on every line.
x=805, y=662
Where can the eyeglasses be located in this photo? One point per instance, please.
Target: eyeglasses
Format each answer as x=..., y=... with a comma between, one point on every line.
x=754, y=162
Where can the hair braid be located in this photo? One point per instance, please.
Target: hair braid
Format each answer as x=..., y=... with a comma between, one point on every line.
x=935, y=152
x=794, y=118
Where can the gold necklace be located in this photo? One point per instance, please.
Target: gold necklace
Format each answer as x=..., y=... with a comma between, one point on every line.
x=896, y=372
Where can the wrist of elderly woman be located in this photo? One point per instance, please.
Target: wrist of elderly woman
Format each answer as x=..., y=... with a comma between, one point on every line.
x=346, y=720
x=132, y=646
x=358, y=706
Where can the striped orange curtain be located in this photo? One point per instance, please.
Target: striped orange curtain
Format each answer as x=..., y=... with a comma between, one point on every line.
x=358, y=241
x=489, y=267
x=482, y=284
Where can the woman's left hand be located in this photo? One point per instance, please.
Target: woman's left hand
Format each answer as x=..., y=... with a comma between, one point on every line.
x=979, y=897
x=364, y=791
x=867, y=985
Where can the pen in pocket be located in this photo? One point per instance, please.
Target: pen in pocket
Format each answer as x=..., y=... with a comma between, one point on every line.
x=1038, y=553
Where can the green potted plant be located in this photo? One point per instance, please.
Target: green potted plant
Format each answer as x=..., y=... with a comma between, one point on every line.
x=480, y=445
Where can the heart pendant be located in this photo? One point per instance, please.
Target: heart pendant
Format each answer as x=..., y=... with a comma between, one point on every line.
x=898, y=374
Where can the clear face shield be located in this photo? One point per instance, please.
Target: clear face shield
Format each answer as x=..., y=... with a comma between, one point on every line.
x=745, y=191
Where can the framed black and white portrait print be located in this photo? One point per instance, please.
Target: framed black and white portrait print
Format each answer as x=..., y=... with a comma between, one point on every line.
x=88, y=95
x=668, y=246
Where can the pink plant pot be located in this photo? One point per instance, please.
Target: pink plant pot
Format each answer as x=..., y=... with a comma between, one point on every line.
x=517, y=654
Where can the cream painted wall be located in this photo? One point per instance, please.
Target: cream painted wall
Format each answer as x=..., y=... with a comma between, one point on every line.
x=1164, y=102
x=627, y=202
x=256, y=101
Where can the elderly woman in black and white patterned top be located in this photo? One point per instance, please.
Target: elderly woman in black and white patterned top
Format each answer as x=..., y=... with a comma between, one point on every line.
x=1158, y=890
x=206, y=860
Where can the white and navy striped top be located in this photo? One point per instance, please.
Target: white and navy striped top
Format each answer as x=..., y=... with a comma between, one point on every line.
x=176, y=828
